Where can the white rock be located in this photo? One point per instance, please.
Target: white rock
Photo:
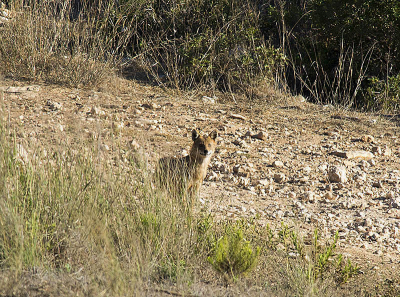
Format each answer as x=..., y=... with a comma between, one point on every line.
x=277, y=164
x=337, y=174
x=361, y=177
x=309, y=196
x=264, y=182
x=53, y=105
x=244, y=181
x=104, y=147
x=390, y=195
x=387, y=151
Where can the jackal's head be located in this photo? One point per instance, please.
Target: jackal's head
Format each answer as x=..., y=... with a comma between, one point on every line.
x=203, y=147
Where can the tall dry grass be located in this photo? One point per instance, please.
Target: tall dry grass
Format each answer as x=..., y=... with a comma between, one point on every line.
x=71, y=219
x=190, y=44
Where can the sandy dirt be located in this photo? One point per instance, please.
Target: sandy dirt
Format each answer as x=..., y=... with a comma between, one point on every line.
x=273, y=159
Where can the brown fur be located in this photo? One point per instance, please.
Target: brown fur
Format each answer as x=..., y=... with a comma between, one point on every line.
x=185, y=175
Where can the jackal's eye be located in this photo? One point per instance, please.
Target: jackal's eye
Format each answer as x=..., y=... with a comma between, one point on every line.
x=202, y=147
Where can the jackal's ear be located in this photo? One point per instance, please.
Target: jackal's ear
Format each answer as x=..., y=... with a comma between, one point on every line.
x=195, y=135
x=214, y=134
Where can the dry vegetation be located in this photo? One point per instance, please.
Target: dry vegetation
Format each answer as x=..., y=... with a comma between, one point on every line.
x=74, y=223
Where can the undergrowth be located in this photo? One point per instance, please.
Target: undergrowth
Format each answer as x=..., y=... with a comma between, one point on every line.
x=190, y=44
x=72, y=217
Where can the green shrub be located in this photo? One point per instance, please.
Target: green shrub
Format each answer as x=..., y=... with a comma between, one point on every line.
x=380, y=94
x=334, y=46
x=194, y=43
x=233, y=255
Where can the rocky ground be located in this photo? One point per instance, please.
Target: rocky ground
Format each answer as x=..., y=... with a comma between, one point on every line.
x=279, y=158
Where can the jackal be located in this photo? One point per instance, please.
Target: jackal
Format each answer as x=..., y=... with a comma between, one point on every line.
x=184, y=176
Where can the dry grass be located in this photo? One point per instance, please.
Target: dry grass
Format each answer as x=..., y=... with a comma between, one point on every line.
x=43, y=42
x=73, y=225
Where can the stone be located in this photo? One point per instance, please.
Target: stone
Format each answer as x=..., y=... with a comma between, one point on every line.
x=307, y=169
x=244, y=181
x=236, y=169
x=387, y=151
x=151, y=105
x=263, y=182
x=309, y=196
x=238, y=117
x=361, y=177
x=96, y=111
x=260, y=135
x=277, y=164
x=104, y=147
x=377, y=184
x=134, y=145
x=367, y=139
x=213, y=176
x=329, y=196
x=20, y=89
x=52, y=105
x=364, y=164
x=240, y=142
x=337, y=174
x=279, y=177
x=377, y=150
x=353, y=154
x=118, y=127
x=390, y=195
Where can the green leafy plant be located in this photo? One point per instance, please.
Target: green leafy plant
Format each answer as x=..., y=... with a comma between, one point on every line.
x=233, y=255
x=347, y=270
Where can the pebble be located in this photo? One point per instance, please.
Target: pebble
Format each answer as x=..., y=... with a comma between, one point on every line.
x=387, y=151
x=377, y=150
x=53, y=105
x=151, y=105
x=279, y=177
x=309, y=196
x=367, y=139
x=390, y=195
x=96, y=111
x=277, y=164
x=377, y=184
x=208, y=100
x=337, y=174
x=134, y=145
x=238, y=117
x=261, y=136
x=329, y=196
x=236, y=168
